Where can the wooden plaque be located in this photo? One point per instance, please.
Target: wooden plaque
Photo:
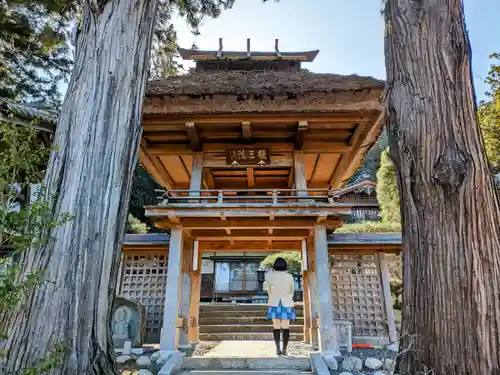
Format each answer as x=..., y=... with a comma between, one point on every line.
x=237, y=156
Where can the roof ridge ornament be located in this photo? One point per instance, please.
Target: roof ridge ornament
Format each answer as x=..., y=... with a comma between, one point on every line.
x=276, y=49
x=219, y=52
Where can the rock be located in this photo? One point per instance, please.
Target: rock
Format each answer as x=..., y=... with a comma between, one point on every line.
x=123, y=359
x=379, y=373
x=373, y=363
x=143, y=372
x=345, y=373
x=163, y=358
x=389, y=364
x=154, y=356
x=143, y=361
x=331, y=362
x=393, y=347
x=352, y=363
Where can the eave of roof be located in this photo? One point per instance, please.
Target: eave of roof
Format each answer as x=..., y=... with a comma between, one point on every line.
x=365, y=239
x=333, y=239
x=23, y=114
x=146, y=239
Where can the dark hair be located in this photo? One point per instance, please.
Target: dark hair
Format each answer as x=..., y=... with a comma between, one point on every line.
x=280, y=264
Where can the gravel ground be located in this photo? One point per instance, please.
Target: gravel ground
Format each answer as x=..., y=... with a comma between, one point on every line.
x=202, y=348
x=300, y=349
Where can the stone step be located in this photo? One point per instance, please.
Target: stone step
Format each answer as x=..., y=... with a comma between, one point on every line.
x=256, y=328
x=242, y=320
x=237, y=363
x=240, y=307
x=244, y=372
x=252, y=336
x=237, y=314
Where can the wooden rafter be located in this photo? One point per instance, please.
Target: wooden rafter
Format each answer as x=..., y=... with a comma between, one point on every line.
x=347, y=157
x=299, y=138
x=193, y=136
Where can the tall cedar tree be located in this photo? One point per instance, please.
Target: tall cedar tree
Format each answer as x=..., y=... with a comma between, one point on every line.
x=450, y=212
x=34, y=53
x=97, y=137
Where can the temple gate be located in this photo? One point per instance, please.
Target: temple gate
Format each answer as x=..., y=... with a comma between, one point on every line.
x=252, y=151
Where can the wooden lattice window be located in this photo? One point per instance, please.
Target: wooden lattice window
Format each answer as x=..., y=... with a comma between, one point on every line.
x=144, y=279
x=357, y=295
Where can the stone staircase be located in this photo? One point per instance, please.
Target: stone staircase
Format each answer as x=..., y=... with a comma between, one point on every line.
x=246, y=366
x=247, y=321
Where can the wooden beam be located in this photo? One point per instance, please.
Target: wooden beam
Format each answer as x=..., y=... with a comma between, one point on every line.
x=193, y=136
x=308, y=147
x=245, y=223
x=250, y=178
x=299, y=139
x=170, y=149
x=236, y=238
x=250, y=246
x=277, y=118
x=251, y=233
x=196, y=175
x=246, y=130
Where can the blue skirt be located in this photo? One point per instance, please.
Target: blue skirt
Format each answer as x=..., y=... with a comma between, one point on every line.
x=281, y=312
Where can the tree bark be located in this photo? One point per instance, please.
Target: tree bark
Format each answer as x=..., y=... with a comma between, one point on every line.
x=450, y=214
x=97, y=136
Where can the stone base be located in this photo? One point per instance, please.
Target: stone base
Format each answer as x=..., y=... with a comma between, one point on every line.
x=173, y=364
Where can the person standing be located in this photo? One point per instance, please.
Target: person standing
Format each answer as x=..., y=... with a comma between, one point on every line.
x=279, y=286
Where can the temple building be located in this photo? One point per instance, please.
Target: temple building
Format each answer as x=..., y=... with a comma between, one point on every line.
x=254, y=153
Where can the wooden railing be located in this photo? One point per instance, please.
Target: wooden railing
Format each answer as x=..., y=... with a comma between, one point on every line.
x=252, y=196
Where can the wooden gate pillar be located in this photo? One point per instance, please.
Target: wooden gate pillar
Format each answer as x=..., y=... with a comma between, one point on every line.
x=194, y=308
x=328, y=330
x=185, y=295
x=168, y=341
x=313, y=294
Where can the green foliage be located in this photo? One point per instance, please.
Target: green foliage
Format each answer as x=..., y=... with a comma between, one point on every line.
x=370, y=227
x=489, y=116
x=24, y=225
x=134, y=225
x=293, y=260
x=34, y=50
x=387, y=190
x=142, y=194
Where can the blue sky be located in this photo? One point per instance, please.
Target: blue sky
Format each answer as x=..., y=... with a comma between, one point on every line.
x=348, y=33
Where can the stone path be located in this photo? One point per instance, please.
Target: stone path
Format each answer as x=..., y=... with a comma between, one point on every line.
x=248, y=349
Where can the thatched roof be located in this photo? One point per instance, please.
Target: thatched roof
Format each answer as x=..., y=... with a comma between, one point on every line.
x=259, y=82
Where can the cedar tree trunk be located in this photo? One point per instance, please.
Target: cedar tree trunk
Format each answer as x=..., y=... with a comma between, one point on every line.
x=450, y=213
x=97, y=136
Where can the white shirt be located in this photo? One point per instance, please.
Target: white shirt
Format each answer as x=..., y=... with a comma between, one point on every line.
x=279, y=285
